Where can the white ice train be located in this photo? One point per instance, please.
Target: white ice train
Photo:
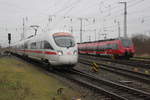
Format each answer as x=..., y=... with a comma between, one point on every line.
x=59, y=49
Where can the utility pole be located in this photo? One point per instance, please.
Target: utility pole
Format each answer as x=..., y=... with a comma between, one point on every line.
x=50, y=20
x=118, y=29
x=105, y=30
x=81, y=26
x=22, y=37
x=81, y=21
x=125, y=18
x=89, y=38
x=99, y=33
x=95, y=34
x=9, y=40
x=66, y=26
x=105, y=36
x=71, y=26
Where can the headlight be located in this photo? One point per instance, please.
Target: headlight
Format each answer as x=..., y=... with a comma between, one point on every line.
x=60, y=53
x=75, y=52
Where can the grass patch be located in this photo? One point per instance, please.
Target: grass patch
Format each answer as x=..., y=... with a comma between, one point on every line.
x=22, y=81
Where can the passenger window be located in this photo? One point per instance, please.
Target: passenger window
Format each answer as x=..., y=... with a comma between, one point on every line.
x=25, y=46
x=41, y=45
x=38, y=45
x=33, y=45
x=114, y=46
x=47, y=45
x=22, y=47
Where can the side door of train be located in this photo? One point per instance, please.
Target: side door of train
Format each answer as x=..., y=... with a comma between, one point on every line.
x=32, y=51
x=40, y=50
x=49, y=52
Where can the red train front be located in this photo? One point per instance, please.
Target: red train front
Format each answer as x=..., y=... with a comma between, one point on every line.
x=122, y=47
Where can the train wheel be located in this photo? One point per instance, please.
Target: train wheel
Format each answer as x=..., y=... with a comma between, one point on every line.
x=47, y=65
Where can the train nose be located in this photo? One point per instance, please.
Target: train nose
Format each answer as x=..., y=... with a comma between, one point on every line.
x=66, y=59
x=128, y=52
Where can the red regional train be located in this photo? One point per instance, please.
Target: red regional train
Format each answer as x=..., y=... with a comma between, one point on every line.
x=116, y=48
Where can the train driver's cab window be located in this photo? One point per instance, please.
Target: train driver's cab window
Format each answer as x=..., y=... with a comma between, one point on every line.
x=126, y=42
x=47, y=45
x=64, y=40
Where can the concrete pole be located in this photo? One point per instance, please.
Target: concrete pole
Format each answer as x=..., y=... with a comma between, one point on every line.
x=118, y=29
x=81, y=29
x=125, y=19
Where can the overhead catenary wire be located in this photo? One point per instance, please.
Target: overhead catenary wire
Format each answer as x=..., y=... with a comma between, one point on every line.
x=114, y=10
x=129, y=13
x=68, y=9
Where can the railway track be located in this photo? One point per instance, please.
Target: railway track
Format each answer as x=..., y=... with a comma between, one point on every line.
x=136, y=63
x=111, y=89
x=122, y=71
x=67, y=74
x=142, y=58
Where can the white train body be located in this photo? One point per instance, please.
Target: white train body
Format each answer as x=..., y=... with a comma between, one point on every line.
x=56, y=48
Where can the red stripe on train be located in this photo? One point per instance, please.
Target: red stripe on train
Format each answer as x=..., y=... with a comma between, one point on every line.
x=50, y=53
x=35, y=51
x=102, y=52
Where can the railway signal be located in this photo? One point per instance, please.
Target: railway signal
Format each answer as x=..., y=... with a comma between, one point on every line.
x=9, y=38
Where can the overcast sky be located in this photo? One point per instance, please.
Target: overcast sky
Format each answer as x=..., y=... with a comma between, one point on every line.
x=106, y=13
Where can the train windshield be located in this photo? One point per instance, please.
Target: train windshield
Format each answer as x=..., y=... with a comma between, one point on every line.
x=126, y=42
x=64, y=41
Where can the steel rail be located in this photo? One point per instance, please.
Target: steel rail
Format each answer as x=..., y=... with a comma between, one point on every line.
x=136, y=75
x=112, y=89
x=113, y=95
x=89, y=85
x=141, y=58
x=125, y=62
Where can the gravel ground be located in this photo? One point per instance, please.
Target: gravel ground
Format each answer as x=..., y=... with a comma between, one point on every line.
x=85, y=93
x=136, y=68
x=114, y=77
x=133, y=68
x=20, y=80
